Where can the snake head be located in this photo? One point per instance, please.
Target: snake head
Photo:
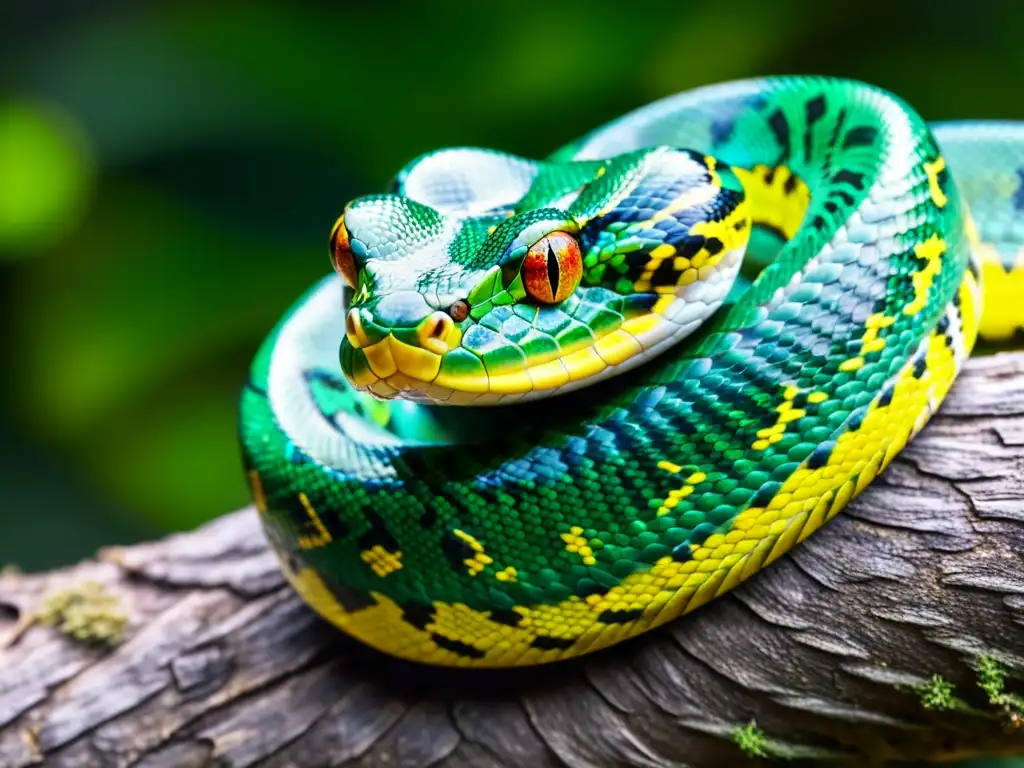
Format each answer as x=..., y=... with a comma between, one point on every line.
x=488, y=278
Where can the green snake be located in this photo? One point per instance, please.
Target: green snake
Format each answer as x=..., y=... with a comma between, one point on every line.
x=708, y=325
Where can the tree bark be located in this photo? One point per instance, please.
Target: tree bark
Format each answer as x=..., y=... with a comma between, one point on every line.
x=827, y=649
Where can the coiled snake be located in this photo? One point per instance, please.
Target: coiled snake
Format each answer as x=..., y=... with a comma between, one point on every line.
x=709, y=324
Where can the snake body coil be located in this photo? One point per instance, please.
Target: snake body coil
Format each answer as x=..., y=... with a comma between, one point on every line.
x=708, y=324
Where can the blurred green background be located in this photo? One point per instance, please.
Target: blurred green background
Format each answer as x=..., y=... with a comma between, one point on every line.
x=169, y=172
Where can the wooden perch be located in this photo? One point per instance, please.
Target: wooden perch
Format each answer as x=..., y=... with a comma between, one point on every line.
x=832, y=650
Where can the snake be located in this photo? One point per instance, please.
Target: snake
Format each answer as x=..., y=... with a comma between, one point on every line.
x=538, y=407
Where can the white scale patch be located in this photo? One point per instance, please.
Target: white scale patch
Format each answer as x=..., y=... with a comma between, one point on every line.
x=309, y=340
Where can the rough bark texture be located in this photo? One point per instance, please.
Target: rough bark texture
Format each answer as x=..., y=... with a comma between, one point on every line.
x=223, y=665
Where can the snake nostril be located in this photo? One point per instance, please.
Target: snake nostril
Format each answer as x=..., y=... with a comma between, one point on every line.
x=435, y=331
x=439, y=331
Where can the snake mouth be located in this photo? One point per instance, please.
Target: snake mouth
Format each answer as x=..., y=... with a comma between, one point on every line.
x=392, y=368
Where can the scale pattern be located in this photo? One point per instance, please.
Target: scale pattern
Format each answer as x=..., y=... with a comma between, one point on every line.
x=540, y=530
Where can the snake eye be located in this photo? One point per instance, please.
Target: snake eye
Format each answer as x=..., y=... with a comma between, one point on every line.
x=341, y=254
x=552, y=268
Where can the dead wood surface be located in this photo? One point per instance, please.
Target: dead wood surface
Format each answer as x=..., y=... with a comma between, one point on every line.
x=223, y=665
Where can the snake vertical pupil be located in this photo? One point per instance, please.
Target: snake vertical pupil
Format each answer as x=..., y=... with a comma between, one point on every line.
x=552, y=268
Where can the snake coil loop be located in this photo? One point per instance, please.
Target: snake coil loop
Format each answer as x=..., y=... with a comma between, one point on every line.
x=776, y=282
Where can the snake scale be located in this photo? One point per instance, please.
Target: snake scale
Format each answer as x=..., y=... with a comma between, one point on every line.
x=708, y=325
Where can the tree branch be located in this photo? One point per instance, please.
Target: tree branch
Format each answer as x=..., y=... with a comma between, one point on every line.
x=832, y=650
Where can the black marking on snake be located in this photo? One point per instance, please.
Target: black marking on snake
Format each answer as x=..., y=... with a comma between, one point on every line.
x=843, y=195
x=456, y=550
x=587, y=587
x=351, y=600
x=861, y=136
x=765, y=494
x=834, y=140
x=769, y=176
x=553, y=270
x=725, y=202
x=942, y=177
x=780, y=127
x=713, y=245
x=456, y=646
x=619, y=617
x=740, y=225
x=831, y=207
x=545, y=643
x=1018, y=196
x=690, y=246
x=336, y=527
x=710, y=164
x=856, y=420
x=506, y=618
x=682, y=552
x=773, y=229
x=943, y=325
x=378, y=535
x=428, y=518
x=855, y=180
x=330, y=382
x=1007, y=267
x=818, y=223
x=789, y=186
x=637, y=259
x=819, y=456
x=815, y=110
x=920, y=365
x=665, y=274
x=886, y=397
x=418, y=615
x=635, y=303
x=721, y=130
x=293, y=563
x=701, y=532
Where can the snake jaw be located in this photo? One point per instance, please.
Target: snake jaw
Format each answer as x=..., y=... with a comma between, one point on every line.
x=390, y=367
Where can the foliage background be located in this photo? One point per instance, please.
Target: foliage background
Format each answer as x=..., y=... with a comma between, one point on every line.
x=169, y=172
